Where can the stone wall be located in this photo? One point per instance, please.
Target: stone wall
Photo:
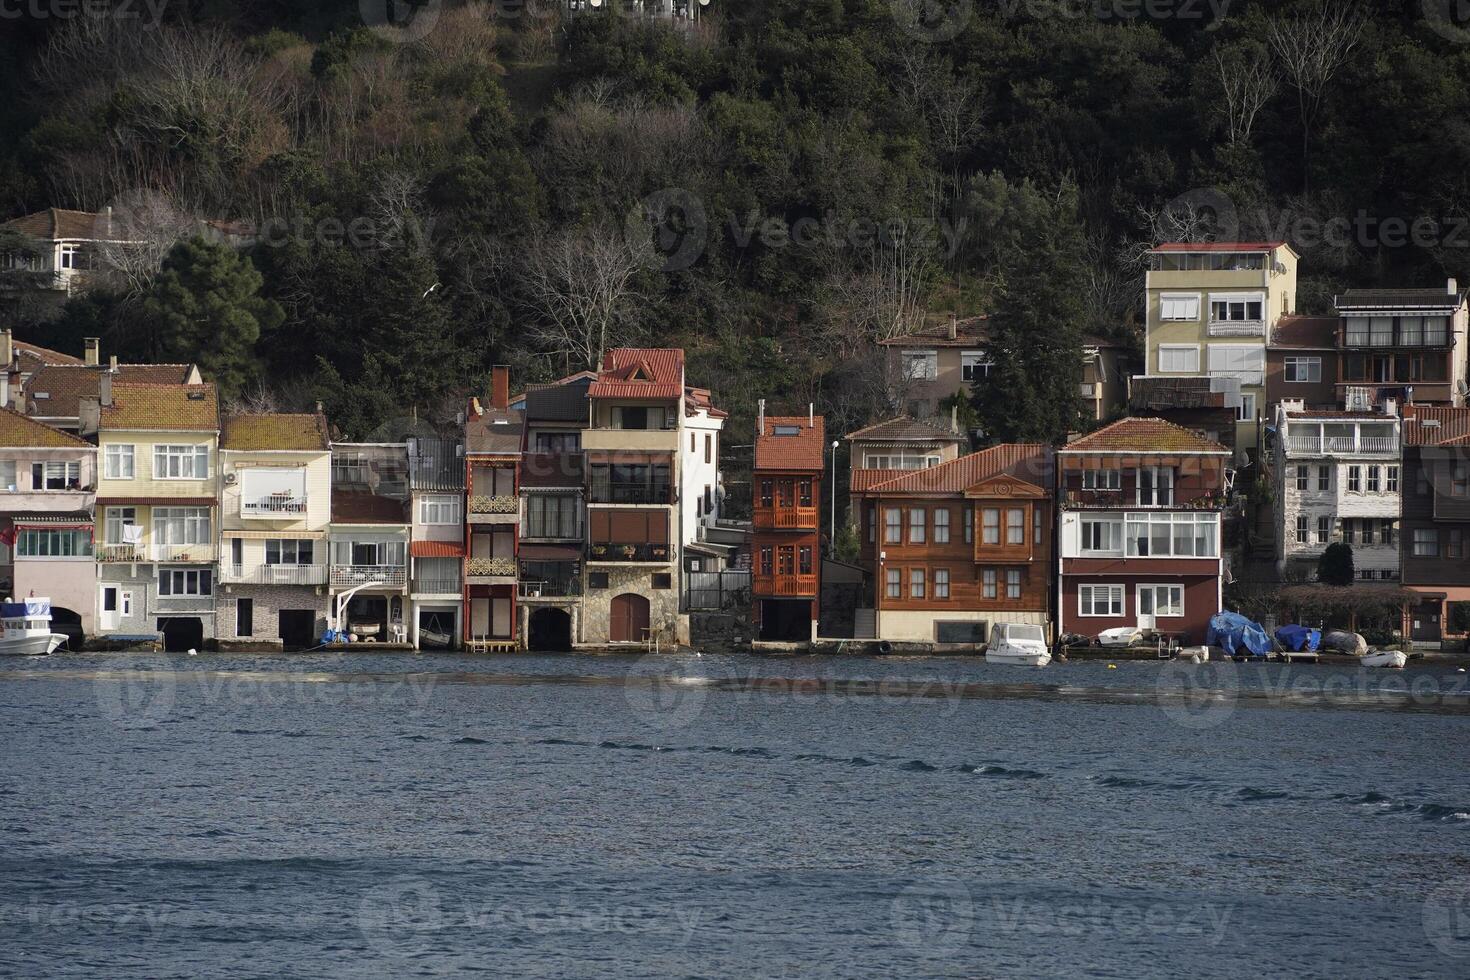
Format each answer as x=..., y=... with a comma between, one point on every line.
x=663, y=605
x=269, y=601
x=721, y=632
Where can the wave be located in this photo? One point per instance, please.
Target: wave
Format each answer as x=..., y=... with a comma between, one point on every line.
x=470, y=740
x=1432, y=812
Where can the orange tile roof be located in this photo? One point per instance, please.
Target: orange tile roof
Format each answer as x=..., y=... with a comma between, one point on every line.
x=33, y=356
x=54, y=391
x=1453, y=427
x=701, y=398
x=640, y=372
x=1144, y=435
x=19, y=432
x=54, y=224
x=969, y=331
x=436, y=549
x=1031, y=462
x=279, y=432
x=161, y=407
x=906, y=428
x=801, y=450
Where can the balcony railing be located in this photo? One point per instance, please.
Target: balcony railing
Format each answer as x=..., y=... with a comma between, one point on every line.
x=347, y=576
x=797, y=584
x=628, y=552
x=1237, y=328
x=183, y=552
x=437, y=585
x=1120, y=501
x=631, y=493
x=274, y=574
x=122, y=552
x=490, y=567
x=550, y=588
x=1317, y=445
x=787, y=517
x=499, y=504
x=277, y=505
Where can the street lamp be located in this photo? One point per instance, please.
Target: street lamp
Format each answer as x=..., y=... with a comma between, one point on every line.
x=832, y=541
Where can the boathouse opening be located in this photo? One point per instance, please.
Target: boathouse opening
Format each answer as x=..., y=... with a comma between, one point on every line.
x=550, y=631
x=181, y=633
x=786, y=620
x=298, y=628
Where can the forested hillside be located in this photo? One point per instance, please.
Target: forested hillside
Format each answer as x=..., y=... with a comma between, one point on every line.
x=775, y=189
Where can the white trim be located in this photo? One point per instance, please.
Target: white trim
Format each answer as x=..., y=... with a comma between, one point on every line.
x=1167, y=297
x=1138, y=598
x=1122, y=599
x=1175, y=348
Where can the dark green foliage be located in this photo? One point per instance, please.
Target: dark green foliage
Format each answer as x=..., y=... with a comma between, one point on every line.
x=1335, y=567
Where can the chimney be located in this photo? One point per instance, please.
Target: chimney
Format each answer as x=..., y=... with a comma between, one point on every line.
x=7, y=349
x=16, y=396
x=104, y=389
x=112, y=364
x=811, y=415
x=954, y=419
x=954, y=326
x=319, y=408
x=500, y=387
x=1453, y=288
x=760, y=420
x=92, y=345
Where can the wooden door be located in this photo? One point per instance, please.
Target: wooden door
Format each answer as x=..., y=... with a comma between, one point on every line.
x=629, y=619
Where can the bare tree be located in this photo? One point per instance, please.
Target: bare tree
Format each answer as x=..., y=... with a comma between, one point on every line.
x=1312, y=49
x=882, y=296
x=580, y=287
x=135, y=233
x=1248, y=79
x=951, y=108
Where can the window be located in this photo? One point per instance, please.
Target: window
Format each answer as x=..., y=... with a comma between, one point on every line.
x=785, y=493
x=917, y=517
x=1436, y=331
x=892, y=525
x=1236, y=309
x=872, y=513
x=1102, y=479
x=1155, y=485
x=709, y=447
x=1247, y=411
x=1393, y=479
x=1357, y=331
x=1036, y=524
x=969, y=526
x=1178, y=358
x=916, y=583
x=1102, y=535
x=941, y=526
x=974, y=365
x=1237, y=360
x=804, y=559
x=786, y=560
x=1324, y=479
x=804, y=493
x=552, y=515
x=1374, y=474
x=369, y=554
x=1411, y=331
x=1172, y=536
x=244, y=616
x=558, y=442
x=921, y=365
x=179, y=581
x=117, y=462
x=1179, y=306
x=7, y=475
x=1389, y=527
x=990, y=526
x=661, y=580
x=116, y=518
x=439, y=509
x=768, y=563
x=895, y=583
x=288, y=551
x=597, y=580
x=180, y=462
x=1426, y=542
x=181, y=525
x=1015, y=526
x=1324, y=529
x=69, y=257
x=56, y=476
x=1013, y=583
x=987, y=583
x=941, y=583
x=874, y=461
x=1348, y=531
x=766, y=493
x=1454, y=542
x=1161, y=600
x=1355, y=479
x=1380, y=331
x=1460, y=481
x=1302, y=370
x=1302, y=529
x=1100, y=600
x=53, y=543
x=1301, y=477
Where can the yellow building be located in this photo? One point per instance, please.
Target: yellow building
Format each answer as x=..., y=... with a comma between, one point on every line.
x=157, y=499
x=1210, y=309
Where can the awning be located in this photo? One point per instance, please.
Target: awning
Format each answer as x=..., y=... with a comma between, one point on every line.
x=550, y=552
x=436, y=549
x=157, y=502
x=274, y=535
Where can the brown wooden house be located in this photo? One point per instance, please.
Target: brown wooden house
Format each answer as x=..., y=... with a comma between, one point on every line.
x=1435, y=523
x=786, y=549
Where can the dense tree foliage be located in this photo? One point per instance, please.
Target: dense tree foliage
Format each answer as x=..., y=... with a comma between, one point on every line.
x=775, y=191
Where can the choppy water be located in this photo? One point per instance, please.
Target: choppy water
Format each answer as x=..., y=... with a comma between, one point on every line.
x=573, y=816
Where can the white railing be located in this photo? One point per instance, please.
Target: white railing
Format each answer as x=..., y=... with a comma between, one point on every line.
x=346, y=576
x=1237, y=328
x=183, y=552
x=274, y=574
x=122, y=552
x=1368, y=445
x=274, y=505
x=437, y=585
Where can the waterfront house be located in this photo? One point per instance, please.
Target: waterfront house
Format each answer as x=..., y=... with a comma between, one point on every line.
x=934, y=363
x=275, y=512
x=1436, y=520
x=699, y=479
x=157, y=499
x=1302, y=362
x=1209, y=406
x=786, y=539
x=368, y=536
x=1409, y=345
x=48, y=482
x=493, y=439
x=436, y=550
x=1337, y=478
x=1210, y=307
x=553, y=513
x=953, y=548
x=1140, y=529
x=882, y=451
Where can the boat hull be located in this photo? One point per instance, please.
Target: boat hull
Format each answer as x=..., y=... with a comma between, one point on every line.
x=1392, y=659
x=1019, y=659
x=31, y=646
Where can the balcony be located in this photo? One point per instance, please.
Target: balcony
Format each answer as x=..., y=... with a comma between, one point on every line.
x=788, y=518
x=785, y=585
x=122, y=553
x=1088, y=390
x=275, y=506
x=350, y=576
x=1237, y=328
x=629, y=553
x=183, y=552
x=550, y=588
x=1346, y=445
x=543, y=530
x=273, y=574
x=437, y=585
x=500, y=509
x=635, y=440
x=604, y=492
x=1119, y=501
x=491, y=571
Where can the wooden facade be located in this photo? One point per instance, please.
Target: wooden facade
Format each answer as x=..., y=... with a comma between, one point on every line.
x=786, y=519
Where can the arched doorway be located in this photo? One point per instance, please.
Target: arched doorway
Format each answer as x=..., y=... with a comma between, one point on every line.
x=550, y=631
x=70, y=623
x=629, y=619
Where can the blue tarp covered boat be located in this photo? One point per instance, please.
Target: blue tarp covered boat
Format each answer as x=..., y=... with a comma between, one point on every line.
x=1237, y=635
x=1299, y=638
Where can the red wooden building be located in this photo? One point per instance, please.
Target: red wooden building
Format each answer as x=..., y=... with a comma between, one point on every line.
x=786, y=549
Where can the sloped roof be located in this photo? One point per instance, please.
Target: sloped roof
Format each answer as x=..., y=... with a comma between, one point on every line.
x=1144, y=435
x=969, y=331
x=905, y=428
x=54, y=224
x=495, y=431
x=351, y=507
x=1031, y=462
x=1161, y=394
x=1400, y=299
x=640, y=372
x=34, y=356
x=1305, y=333
x=1217, y=246
x=801, y=450
x=701, y=399
x=149, y=406
x=1453, y=427
x=55, y=390
x=560, y=402
x=266, y=432
x=436, y=549
x=19, y=432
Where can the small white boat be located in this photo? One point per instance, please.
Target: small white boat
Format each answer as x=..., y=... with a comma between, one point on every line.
x=1385, y=658
x=27, y=628
x=1121, y=636
x=1018, y=645
x=1193, y=655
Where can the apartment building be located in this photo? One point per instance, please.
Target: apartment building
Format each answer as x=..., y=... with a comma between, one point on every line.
x=65, y=249
x=699, y=467
x=158, y=498
x=1338, y=478
x=1408, y=345
x=275, y=516
x=1140, y=529
x=1302, y=362
x=48, y=482
x=436, y=548
x=553, y=489
x=953, y=548
x=1210, y=307
x=786, y=540
x=1436, y=520
x=368, y=537
x=494, y=440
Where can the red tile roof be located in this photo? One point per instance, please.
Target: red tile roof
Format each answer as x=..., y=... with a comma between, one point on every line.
x=1218, y=246
x=906, y=428
x=1144, y=435
x=265, y=432
x=55, y=224
x=349, y=507
x=436, y=549
x=800, y=451
x=34, y=356
x=162, y=407
x=1031, y=462
x=1453, y=427
x=640, y=372
x=19, y=432
x=1305, y=333
x=969, y=331
x=55, y=390
x=696, y=399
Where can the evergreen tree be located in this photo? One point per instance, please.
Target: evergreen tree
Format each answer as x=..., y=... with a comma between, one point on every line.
x=1335, y=567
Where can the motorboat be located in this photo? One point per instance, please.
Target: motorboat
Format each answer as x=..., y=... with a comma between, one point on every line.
x=27, y=628
x=1017, y=644
x=1384, y=658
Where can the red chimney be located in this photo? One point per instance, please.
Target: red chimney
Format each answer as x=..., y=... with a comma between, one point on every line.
x=500, y=387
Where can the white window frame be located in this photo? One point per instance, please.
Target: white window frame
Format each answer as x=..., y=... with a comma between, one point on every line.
x=1244, y=300
x=974, y=365
x=1247, y=407
x=920, y=365
x=1254, y=362
x=119, y=461
x=68, y=472
x=182, y=457
x=115, y=519
x=196, y=527
x=1169, y=307
x=1293, y=368
x=1114, y=535
x=440, y=509
x=1391, y=479
x=1177, y=349
x=1113, y=481
x=1087, y=600
x=1152, y=590
x=197, y=582
x=1194, y=520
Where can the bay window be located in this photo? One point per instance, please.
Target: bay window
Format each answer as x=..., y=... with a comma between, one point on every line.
x=1173, y=536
